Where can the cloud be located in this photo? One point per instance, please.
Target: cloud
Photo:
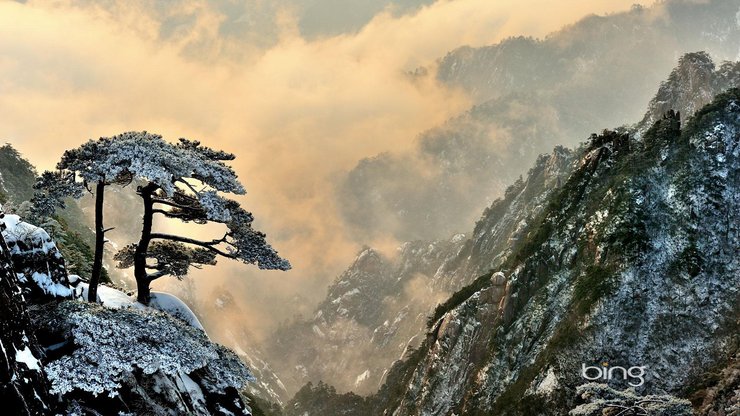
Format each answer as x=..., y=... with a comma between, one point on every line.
x=298, y=113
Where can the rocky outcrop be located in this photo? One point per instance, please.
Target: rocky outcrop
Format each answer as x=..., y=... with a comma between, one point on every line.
x=718, y=394
x=83, y=358
x=136, y=362
x=691, y=85
x=502, y=225
x=24, y=389
x=39, y=265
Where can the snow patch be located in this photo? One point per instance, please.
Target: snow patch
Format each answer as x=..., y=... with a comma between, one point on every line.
x=50, y=287
x=172, y=305
x=18, y=231
x=26, y=357
x=362, y=377
x=548, y=384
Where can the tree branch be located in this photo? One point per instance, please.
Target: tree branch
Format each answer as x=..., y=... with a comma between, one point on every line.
x=157, y=275
x=186, y=183
x=147, y=189
x=170, y=214
x=209, y=245
x=170, y=203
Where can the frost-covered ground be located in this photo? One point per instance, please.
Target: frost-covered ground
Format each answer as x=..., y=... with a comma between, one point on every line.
x=115, y=356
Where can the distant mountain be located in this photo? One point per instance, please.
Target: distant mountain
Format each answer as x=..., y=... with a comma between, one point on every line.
x=530, y=95
x=371, y=314
x=610, y=59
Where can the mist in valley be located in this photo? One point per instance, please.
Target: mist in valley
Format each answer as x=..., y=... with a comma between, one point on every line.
x=354, y=127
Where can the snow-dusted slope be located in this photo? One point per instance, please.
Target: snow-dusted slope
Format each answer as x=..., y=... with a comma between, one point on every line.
x=364, y=306
x=632, y=262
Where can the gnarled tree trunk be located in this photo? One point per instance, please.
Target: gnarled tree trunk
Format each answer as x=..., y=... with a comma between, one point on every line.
x=97, y=268
x=142, y=279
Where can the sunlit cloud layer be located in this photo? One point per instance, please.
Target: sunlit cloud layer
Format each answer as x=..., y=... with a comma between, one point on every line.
x=297, y=112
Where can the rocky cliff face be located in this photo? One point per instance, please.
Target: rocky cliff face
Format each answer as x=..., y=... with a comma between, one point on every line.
x=371, y=314
x=23, y=384
x=502, y=225
x=632, y=262
x=691, y=85
x=69, y=229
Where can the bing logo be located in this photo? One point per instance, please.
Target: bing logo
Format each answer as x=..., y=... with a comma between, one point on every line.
x=605, y=372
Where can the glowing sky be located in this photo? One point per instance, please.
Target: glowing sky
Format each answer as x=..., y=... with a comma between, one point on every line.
x=299, y=109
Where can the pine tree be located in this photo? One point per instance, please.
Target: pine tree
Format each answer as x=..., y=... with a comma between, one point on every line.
x=184, y=182
x=600, y=399
x=90, y=164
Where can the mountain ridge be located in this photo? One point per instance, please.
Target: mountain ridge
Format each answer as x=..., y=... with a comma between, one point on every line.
x=505, y=231
x=606, y=249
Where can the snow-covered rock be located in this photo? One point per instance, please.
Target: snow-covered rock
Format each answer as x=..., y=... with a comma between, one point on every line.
x=37, y=261
x=137, y=360
x=172, y=305
x=23, y=384
x=116, y=357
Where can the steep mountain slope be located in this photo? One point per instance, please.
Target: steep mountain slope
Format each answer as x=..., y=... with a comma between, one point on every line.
x=530, y=96
x=691, y=85
x=370, y=315
x=378, y=307
x=368, y=302
x=633, y=262
x=216, y=311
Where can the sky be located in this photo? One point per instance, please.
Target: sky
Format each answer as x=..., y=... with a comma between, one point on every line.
x=299, y=91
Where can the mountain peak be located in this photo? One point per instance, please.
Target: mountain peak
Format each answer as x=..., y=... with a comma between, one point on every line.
x=690, y=86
